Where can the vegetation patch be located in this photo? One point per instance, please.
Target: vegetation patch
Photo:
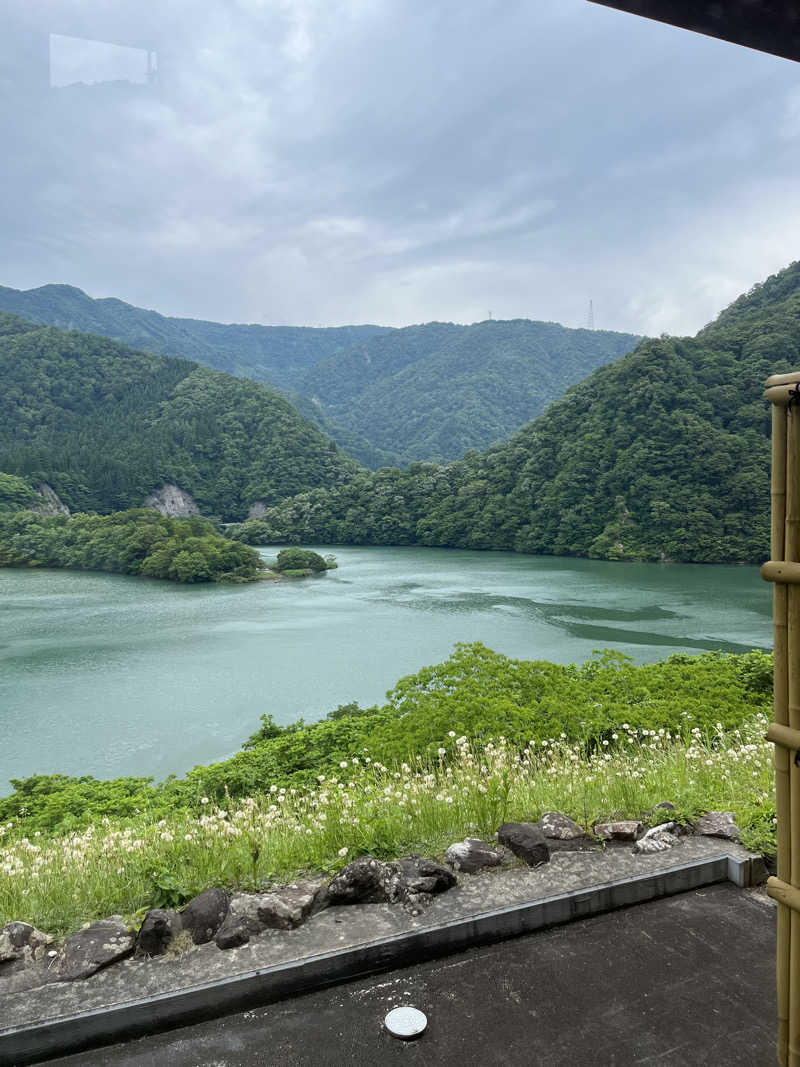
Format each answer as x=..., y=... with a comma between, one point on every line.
x=367, y=806
x=138, y=541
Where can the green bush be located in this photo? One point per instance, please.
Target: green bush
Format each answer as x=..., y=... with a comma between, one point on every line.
x=299, y=559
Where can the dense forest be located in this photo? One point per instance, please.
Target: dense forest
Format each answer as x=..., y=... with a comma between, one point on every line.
x=138, y=541
x=429, y=392
x=106, y=425
x=434, y=392
x=663, y=455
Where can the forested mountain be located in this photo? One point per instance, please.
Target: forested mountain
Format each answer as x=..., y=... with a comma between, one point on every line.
x=433, y=392
x=663, y=455
x=277, y=355
x=106, y=425
x=428, y=392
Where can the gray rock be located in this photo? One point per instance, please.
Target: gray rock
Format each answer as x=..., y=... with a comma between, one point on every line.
x=243, y=913
x=718, y=824
x=657, y=839
x=423, y=875
x=98, y=945
x=411, y=881
x=284, y=908
x=471, y=855
x=21, y=941
x=526, y=841
x=49, y=502
x=204, y=915
x=560, y=827
x=289, y=906
x=172, y=501
x=232, y=933
x=624, y=830
x=160, y=927
x=361, y=882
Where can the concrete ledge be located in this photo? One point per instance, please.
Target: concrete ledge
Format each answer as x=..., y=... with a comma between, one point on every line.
x=35, y=1042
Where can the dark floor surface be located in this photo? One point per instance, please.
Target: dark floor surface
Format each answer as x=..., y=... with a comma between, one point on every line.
x=684, y=981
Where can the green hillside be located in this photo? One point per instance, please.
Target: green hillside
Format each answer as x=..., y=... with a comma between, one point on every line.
x=386, y=396
x=277, y=355
x=106, y=425
x=663, y=455
x=433, y=392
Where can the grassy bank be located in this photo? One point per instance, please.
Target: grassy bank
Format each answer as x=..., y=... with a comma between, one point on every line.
x=465, y=788
x=476, y=693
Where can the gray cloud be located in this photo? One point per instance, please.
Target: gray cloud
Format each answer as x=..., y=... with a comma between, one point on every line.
x=332, y=161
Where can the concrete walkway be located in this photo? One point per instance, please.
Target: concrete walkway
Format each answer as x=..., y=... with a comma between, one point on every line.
x=683, y=981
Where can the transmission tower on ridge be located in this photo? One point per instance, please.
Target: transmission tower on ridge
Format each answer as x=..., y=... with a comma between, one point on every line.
x=590, y=317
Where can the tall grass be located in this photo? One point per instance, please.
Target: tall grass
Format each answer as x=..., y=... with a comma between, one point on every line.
x=57, y=883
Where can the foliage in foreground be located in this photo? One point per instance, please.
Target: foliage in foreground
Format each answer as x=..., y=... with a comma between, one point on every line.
x=138, y=541
x=370, y=807
x=476, y=692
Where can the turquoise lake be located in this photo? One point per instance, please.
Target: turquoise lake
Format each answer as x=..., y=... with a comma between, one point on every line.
x=107, y=675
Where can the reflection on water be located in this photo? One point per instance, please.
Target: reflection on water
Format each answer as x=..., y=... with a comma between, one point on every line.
x=108, y=675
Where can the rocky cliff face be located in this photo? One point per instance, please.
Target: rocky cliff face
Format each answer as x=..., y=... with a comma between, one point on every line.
x=172, y=501
x=49, y=503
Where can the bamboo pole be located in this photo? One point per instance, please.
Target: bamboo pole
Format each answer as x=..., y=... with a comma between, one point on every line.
x=783, y=379
x=792, y=554
x=781, y=714
x=784, y=893
x=779, y=571
x=784, y=735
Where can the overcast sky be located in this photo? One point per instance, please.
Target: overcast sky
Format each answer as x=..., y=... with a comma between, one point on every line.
x=394, y=161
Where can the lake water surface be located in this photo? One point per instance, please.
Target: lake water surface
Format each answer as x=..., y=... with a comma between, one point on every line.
x=108, y=675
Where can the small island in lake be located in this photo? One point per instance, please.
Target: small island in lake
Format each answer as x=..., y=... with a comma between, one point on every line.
x=299, y=563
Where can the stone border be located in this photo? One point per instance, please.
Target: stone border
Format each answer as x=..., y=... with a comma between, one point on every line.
x=105, y=1026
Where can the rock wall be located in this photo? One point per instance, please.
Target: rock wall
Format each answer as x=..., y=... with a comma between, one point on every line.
x=50, y=504
x=172, y=501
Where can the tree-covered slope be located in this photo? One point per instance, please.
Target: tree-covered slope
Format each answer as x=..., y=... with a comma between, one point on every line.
x=435, y=391
x=278, y=355
x=138, y=541
x=663, y=455
x=105, y=425
x=427, y=392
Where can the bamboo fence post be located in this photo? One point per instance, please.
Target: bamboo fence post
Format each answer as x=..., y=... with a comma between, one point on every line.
x=784, y=571
x=781, y=715
x=792, y=554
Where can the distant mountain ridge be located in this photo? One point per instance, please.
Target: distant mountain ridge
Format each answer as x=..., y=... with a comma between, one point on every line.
x=277, y=355
x=664, y=455
x=387, y=396
x=436, y=391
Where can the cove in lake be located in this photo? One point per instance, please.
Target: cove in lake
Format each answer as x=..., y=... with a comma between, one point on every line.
x=109, y=675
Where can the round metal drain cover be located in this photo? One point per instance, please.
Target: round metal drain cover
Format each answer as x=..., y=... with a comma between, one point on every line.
x=405, y=1022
